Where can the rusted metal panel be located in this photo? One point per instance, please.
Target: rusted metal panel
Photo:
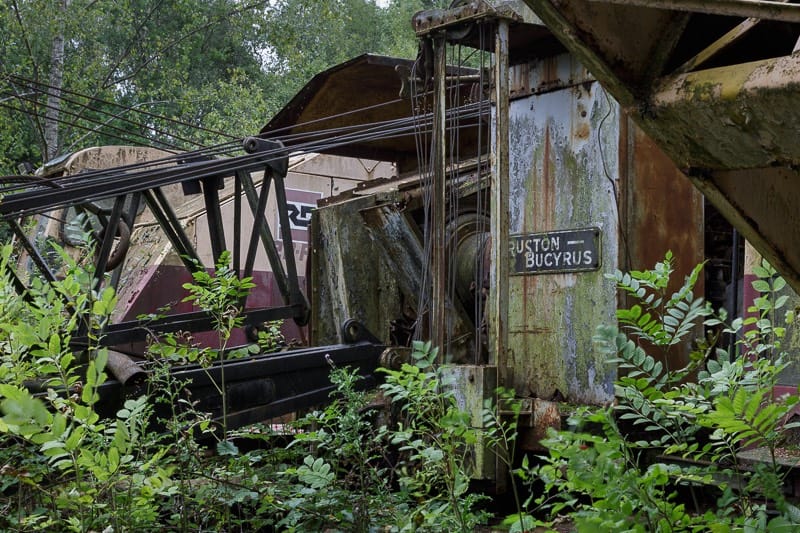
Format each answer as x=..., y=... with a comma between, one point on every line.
x=661, y=211
x=499, y=303
x=368, y=263
x=738, y=114
x=762, y=9
x=536, y=418
x=344, y=284
x=472, y=385
x=547, y=74
x=364, y=90
x=427, y=21
x=563, y=175
x=617, y=43
x=468, y=24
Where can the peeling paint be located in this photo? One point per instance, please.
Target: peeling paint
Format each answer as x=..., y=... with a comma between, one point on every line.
x=563, y=156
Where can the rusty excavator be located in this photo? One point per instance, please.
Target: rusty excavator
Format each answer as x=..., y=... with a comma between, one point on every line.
x=493, y=200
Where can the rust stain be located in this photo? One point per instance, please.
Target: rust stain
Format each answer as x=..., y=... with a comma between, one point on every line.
x=519, y=82
x=549, y=72
x=665, y=213
x=562, y=179
x=582, y=131
x=544, y=415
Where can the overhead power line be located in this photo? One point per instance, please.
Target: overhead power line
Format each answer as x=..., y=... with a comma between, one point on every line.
x=49, y=89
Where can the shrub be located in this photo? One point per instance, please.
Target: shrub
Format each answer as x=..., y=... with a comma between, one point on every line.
x=668, y=435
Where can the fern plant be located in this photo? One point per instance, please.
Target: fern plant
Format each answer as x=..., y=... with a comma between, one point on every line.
x=650, y=395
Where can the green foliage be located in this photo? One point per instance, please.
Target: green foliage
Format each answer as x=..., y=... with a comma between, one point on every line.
x=623, y=496
x=63, y=468
x=78, y=472
x=182, y=73
x=655, y=318
x=344, y=481
x=629, y=466
x=270, y=337
x=436, y=436
x=220, y=295
x=669, y=433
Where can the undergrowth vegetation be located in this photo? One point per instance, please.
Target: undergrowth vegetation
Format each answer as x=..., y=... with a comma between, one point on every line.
x=668, y=455
x=163, y=464
x=665, y=457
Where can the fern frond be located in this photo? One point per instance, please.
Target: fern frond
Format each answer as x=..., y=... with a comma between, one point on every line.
x=747, y=418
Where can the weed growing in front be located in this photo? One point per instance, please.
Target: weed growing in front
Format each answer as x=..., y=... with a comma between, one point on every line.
x=666, y=457
x=63, y=468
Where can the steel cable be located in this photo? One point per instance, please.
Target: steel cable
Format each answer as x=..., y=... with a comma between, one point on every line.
x=102, y=184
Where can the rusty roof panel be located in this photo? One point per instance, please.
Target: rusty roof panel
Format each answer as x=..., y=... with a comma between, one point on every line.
x=362, y=91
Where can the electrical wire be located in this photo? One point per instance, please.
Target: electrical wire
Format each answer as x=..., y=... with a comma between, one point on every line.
x=223, y=148
x=369, y=132
x=453, y=207
x=62, y=110
x=52, y=91
x=57, y=91
x=422, y=325
x=127, y=138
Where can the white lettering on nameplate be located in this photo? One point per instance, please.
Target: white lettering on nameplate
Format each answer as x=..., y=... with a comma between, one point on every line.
x=555, y=251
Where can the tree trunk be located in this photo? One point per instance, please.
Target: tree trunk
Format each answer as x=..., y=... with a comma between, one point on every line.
x=51, y=114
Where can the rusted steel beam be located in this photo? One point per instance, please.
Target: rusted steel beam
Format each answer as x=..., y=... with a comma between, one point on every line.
x=133, y=209
x=738, y=116
x=498, y=291
x=216, y=225
x=108, y=183
x=162, y=211
x=296, y=296
x=717, y=46
x=237, y=222
x=425, y=21
x=139, y=330
x=762, y=204
x=437, y=19
x=261, y=229
x=438, y=209
x=259, y=387
x=761, y=9
x=107, y=244
x=664, y=47
x=564, y=29
x=33, y=252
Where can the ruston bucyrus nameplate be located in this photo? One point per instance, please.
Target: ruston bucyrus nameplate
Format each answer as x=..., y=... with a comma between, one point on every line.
x=555, y=251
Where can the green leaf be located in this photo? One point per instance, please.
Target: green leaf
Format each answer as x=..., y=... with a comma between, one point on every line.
x=22, y=411
x=226, y=447
x=761, y=272
x=315, y=473
x=113, y=459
